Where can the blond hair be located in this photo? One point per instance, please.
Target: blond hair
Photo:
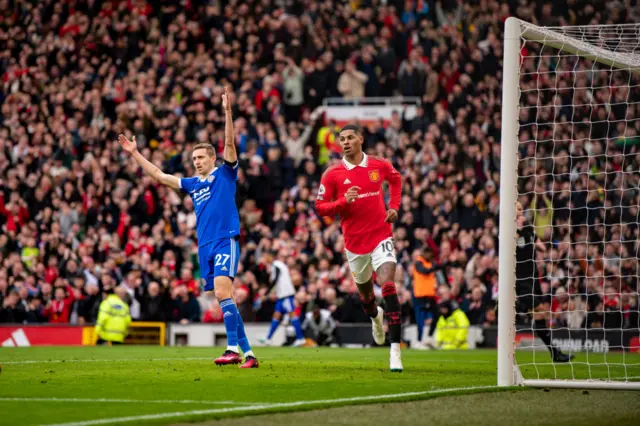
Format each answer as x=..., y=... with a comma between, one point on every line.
x=207, y=146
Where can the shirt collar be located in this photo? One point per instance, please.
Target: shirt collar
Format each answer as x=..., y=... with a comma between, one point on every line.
x=201, y=179
x=350, y=166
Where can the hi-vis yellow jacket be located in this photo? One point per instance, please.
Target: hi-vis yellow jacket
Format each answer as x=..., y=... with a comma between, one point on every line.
x=113, y=319
x=451, y=333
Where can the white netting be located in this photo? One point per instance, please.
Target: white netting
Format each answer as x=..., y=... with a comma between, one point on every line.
x=579, y=185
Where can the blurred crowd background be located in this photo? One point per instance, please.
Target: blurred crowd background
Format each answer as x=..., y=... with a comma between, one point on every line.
x=78, y=217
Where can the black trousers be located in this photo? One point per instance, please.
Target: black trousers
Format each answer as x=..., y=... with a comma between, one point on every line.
x=106, y=342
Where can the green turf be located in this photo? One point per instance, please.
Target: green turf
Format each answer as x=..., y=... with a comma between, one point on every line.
x=182, y=380
x=561, y=408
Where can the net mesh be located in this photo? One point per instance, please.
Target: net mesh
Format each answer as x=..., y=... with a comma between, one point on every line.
x=579, y=189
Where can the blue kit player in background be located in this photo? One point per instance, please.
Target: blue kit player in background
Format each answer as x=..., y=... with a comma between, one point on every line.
x=213, y=192
x=280, y=278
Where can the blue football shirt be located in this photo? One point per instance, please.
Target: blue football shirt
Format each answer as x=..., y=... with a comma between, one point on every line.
x=214, y=200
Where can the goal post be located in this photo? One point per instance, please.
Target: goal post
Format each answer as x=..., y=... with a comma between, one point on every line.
x=570, y=152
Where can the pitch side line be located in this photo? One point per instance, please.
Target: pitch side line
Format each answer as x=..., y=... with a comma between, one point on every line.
x=56, y=361
x=125, y=401
x=267, y=406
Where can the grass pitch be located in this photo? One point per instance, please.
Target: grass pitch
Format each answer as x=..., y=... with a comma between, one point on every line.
x=152, y=385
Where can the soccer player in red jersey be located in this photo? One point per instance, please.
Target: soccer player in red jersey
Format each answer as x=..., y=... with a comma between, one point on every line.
x=353, y=190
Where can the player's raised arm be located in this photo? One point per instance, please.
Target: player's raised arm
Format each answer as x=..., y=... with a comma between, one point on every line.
x=149, y=168
x=325, y=203
x=230, y=154
x=395, y=189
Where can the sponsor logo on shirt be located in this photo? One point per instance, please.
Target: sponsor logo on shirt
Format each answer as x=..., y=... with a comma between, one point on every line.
x=369, y=194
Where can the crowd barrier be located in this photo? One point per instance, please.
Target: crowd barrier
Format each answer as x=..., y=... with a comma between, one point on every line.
x=348, y=335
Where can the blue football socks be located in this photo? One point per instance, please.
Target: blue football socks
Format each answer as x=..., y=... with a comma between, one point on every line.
x=298, y=327
x=274, y=326
x=243, y=341
x=231, y=316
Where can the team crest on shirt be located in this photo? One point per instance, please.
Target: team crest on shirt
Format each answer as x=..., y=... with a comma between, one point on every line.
x=354, y=274
x=374, y=175
x=211, y=178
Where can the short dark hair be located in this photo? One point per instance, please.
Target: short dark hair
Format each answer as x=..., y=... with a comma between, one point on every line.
x=356, y=129
x=207, y=146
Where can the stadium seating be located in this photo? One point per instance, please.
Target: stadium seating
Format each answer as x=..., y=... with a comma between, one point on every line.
x=78, y=217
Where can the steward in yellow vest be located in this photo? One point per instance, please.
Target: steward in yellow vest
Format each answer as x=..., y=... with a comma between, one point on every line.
x=453, y=325
x=113, y=318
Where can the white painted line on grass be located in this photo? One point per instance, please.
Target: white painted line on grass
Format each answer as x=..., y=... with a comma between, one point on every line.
x=125, y=401
x=56, y=361
x=267, y=406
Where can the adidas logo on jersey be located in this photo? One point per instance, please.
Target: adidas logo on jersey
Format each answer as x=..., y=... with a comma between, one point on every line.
x=347, y=181
x=224, y=268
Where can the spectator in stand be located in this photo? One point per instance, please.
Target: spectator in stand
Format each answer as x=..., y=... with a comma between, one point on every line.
x=12, y=310
x=58, y=311
x=155, y=303
x=71, y=83
x=319, y=324
x=185, y=308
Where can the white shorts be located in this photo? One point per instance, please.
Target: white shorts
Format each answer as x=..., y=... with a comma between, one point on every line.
x=363, y=265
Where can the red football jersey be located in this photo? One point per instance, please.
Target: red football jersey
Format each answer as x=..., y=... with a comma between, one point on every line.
x=363, y=221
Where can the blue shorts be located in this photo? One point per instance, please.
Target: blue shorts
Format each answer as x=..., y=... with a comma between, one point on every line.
x=218, y=259
x=285, y=305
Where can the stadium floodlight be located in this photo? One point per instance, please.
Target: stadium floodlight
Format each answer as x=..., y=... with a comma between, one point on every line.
x=569, y=155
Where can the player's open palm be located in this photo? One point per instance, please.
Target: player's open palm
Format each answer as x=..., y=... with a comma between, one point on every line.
x=226, y=100
x=126, y=144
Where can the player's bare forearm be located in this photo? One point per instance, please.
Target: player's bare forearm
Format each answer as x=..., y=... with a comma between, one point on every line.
x=153, y=171
x=130, y=147
x=230, y=154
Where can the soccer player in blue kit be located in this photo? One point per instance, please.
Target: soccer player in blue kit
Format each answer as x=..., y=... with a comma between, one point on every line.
x=213, y=192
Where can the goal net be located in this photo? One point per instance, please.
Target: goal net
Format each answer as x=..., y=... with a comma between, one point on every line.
x=569, y=209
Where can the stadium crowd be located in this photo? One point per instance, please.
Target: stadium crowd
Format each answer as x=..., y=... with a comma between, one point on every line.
x=78, y=217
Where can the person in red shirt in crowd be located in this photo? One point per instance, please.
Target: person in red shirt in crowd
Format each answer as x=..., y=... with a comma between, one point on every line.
x=59, y=310
x=186, y=278
x=353, y=190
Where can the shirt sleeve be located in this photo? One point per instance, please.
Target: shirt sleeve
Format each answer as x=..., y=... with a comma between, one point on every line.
x=187, y=184
x=395, y=185
x=231, y=169
x=325, y=203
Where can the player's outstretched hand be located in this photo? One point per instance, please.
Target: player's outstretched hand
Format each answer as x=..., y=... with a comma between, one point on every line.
x=226, y=100
x=126, y=144
x=392, y=216
x=352, y=194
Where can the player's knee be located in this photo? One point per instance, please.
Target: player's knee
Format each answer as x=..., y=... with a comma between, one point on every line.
x=223, y=288
x=386, y=272
x=363, y=277
x=277, y=316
